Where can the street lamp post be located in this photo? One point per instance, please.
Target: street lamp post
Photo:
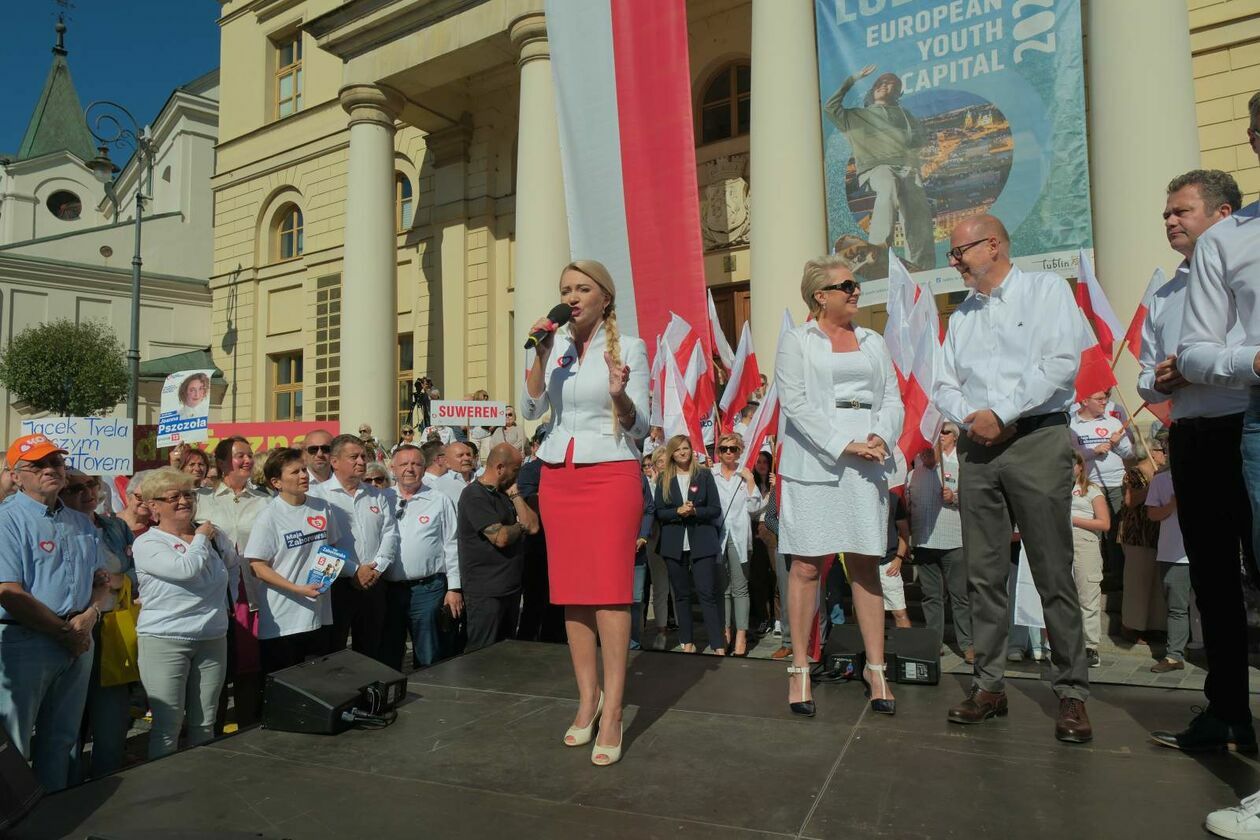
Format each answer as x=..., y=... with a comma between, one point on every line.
x=104, y=122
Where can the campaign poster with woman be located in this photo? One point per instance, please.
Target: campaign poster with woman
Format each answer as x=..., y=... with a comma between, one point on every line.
x=184, y=415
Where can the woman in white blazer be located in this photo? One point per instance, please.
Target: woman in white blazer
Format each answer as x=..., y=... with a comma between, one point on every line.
x=843, y=413
x=590, y=496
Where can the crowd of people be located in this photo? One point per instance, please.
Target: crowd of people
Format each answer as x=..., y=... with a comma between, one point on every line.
x=224, y=567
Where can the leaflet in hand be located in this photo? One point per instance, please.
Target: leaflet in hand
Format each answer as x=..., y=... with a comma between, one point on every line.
x=325, y=567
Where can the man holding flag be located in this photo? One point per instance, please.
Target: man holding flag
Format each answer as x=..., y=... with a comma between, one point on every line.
x=1008, y=378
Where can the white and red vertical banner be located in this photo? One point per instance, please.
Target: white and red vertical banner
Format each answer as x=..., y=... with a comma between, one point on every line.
x=623, y=98
x=913, y=337
x=744, y=380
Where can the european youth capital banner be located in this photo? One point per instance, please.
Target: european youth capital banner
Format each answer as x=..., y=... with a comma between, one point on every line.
x=933, y=112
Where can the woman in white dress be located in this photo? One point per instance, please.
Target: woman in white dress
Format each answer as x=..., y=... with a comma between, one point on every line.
x=843, y=412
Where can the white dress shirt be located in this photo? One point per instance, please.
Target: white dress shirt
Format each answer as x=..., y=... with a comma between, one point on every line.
x=1088, y=433
x=426, y=528
x=1161, y=333
x=1223, y=290
x=934, y=524
x=738, y=506
x=367, y=518
x=813, y=441
x=1015, y=351
x=450, y=484
x=576, y=391
x=234, y=515
x=182, y=585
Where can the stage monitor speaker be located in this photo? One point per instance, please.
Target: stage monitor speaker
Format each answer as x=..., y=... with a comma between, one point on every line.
x=19, y=790
x=911, y=653
x=329, y=695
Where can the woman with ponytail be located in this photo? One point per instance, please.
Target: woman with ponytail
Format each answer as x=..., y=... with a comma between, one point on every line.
x=594, y=380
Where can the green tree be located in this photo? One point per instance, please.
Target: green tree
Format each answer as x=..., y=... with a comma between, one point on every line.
x=67, y=369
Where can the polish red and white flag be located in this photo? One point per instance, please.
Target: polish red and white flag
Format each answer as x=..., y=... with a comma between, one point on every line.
x=1133, y=335
x=627, y=149
x=767, y=419
x=679, y=414
x=721, y=346
x=1099, y=332
x=913, y=338
x=745, y=379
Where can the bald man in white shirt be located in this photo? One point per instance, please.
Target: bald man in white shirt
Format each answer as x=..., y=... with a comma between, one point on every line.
x=1010, y=363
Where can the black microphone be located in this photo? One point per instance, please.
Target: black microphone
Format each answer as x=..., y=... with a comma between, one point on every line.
x=559, y=315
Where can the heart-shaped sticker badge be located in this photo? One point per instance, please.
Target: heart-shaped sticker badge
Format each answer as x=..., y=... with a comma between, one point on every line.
x=423, y=520
x=1101, y=431
x=695, y=488
x=374, y=509
x=47, y=545
x=317, y=522
x=180, y=548
x=565, y=361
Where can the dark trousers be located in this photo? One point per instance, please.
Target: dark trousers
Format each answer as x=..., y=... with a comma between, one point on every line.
x=411, y=608
x=1215, y=517
x=491, y=618
x=286, y=651
x=359, y=615
x=761, y=581
x=708, y=589
x=541, y=620
x=1029, y=478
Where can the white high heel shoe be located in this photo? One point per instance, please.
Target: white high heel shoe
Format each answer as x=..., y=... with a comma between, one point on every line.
x=580, y=736
x=602, y=756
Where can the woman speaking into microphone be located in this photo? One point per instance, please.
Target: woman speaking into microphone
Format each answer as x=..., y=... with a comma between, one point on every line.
x=595, y=382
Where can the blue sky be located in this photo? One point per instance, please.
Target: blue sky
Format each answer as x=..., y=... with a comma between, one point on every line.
x=134, y=52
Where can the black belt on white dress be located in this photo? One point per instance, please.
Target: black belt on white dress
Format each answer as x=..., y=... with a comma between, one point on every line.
x=854, y=404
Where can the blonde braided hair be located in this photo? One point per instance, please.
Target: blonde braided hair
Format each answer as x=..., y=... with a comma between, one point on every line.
x=598, y=273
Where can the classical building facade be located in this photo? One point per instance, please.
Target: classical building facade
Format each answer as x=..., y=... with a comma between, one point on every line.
x=66, y=243
x=388, y=196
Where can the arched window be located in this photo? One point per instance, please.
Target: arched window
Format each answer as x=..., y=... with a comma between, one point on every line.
x=725, y=109
x=403, y=205
x=288, y=233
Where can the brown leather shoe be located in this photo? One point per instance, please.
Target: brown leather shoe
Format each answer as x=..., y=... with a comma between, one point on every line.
x=970, y=656
x=1165, y=665
x=781, y=653
x=979, y=706
x=1073, y=724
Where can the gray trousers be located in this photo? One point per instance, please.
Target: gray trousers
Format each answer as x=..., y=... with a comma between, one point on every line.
x=736, y=601
x=1177, y=592
x=1028, y=479
x=182, y=678
x=940, y=569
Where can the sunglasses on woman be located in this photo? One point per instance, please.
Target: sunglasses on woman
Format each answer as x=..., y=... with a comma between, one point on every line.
x=847, y=286
x=728, y=449
x=379, y=481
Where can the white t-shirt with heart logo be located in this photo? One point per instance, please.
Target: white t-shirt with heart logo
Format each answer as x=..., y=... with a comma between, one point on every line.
x=288, y=537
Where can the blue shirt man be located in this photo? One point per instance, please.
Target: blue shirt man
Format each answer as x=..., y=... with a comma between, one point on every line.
x=49, y=588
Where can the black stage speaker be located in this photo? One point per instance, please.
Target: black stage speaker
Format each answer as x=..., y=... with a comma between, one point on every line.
x=331, y=694
x=19, y=791
x=911, y=653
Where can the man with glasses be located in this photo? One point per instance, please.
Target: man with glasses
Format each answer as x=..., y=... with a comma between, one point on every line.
x=317, y=452
x=426, y=577
x=362, y=511
x=1206, y=431
x=1008, y=380
x=52, y=588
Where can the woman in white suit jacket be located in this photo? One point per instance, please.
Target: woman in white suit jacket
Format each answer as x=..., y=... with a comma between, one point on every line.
x=590, y=496
x=843, y=414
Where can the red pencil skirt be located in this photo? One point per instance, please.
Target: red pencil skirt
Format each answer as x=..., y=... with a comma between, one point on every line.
x=591, y=515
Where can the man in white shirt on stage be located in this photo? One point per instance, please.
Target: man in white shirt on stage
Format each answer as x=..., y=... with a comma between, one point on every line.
x=317, y=451
x=1204, y=440
x=426, y=577
x=1010, y=363
x=1224, y=291
x=363, y=512
x=460, y=466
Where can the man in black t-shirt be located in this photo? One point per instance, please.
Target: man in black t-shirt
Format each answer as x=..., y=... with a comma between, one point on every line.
x=493, y=521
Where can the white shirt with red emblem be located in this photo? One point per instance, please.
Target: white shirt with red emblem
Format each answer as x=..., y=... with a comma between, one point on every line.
x=287, y=537
x=368, y=532
x=182, y=585
x=426, y=526
x=934, y=524
x=1107, y=471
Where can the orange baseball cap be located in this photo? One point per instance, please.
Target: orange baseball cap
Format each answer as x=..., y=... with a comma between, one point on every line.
x=31, y=448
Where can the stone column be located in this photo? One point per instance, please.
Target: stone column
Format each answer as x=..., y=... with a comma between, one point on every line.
x=1143, y=132
x=789, y=223
x=369, y=292
x=542, y=230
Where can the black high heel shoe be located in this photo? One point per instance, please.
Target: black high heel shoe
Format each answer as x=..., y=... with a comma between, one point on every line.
x=880, y=706
x=804, y=707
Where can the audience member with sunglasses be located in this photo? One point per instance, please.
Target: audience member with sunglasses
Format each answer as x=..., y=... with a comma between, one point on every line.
x=317, y=452
x=741, y=500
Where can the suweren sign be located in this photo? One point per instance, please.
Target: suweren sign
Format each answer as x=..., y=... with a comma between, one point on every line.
x=467, y=413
